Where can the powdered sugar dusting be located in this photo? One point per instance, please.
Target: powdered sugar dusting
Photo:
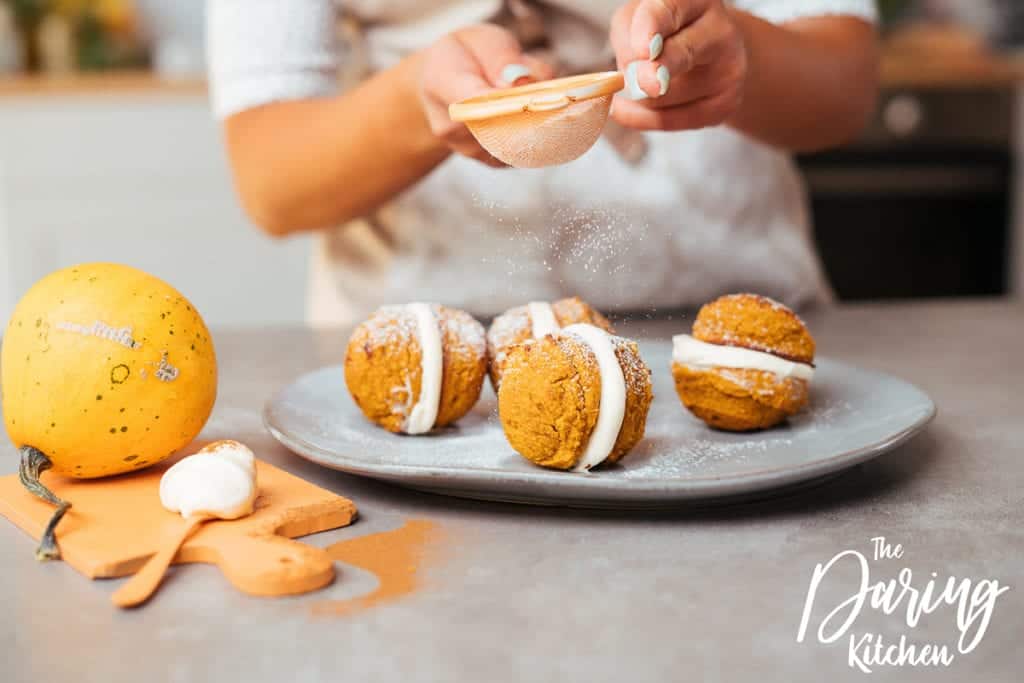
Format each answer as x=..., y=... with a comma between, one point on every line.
x=634, y=369
x=510, y=327
x=592, y=253
x=391, y=325
x=397, y=326
x=469, y=331
x=394, y=326
x=768, y=301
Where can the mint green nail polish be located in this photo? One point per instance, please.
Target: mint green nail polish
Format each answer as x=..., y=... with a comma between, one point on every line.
x=663, y=78
x=633, y=90
x=657, y=45
x=513, y=72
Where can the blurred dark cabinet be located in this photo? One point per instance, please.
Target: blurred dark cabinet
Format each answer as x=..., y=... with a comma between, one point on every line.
x=921, y=206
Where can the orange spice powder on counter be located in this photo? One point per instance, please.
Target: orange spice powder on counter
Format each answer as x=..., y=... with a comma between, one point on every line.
x=395, y=557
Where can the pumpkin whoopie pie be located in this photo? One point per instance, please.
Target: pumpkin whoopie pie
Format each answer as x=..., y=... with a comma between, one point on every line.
x=417, y=366
x=747, y=366
x=574, y=399
x=533, y=321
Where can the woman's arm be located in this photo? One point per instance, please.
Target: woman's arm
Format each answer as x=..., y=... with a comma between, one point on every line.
x=804, y=85
x=811, y=83
x=309, y=164
x=302, y=164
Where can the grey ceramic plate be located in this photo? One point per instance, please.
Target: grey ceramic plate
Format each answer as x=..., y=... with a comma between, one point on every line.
x=854, y=415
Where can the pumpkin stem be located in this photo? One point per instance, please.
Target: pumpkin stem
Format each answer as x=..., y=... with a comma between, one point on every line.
x=33, y=463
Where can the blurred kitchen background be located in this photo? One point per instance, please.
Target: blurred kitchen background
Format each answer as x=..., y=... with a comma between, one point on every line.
x=108, y=152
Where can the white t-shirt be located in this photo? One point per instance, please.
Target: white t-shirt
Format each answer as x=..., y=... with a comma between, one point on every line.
x=703, y=213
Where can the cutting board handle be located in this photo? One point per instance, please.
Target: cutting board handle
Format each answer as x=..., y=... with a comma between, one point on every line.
x=267, y=564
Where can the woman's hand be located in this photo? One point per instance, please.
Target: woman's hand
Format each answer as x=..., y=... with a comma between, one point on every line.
x=469, y=62
x=685, y=63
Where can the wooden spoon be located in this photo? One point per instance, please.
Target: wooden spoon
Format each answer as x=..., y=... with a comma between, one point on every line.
x=140, y=587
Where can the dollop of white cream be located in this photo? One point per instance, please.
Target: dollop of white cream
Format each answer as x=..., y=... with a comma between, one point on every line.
x=423, y=415
x=542, y=319
x=612, y=406
x=219, y=480
x=698, y=354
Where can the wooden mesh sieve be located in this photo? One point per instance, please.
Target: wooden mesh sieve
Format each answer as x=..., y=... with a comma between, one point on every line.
x=540, y=124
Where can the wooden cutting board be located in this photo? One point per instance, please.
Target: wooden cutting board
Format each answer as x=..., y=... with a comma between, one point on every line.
x=116, y=524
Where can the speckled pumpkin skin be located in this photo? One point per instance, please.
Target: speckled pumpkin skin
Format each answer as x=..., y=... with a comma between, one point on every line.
x=97, y=401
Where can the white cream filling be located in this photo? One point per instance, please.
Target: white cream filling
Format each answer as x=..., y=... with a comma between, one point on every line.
x=612, y=406
x=219, y=481
x=542, y=319
x=421, y=418
x=694, y=353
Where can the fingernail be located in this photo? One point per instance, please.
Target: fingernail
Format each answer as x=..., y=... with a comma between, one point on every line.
x=657, y=44
x=663, y=78
x=633, y=90
x=513, y=72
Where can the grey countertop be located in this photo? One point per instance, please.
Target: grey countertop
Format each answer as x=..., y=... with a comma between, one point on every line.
x=519, y=593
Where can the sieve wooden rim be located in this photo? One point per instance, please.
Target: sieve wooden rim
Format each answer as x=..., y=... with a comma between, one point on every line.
x=537, y=97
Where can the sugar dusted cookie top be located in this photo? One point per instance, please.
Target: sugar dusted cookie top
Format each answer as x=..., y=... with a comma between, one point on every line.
x=414, y=367
x=755, y=322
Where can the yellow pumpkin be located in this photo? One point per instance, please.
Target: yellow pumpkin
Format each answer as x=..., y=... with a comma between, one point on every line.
x=105, y=369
